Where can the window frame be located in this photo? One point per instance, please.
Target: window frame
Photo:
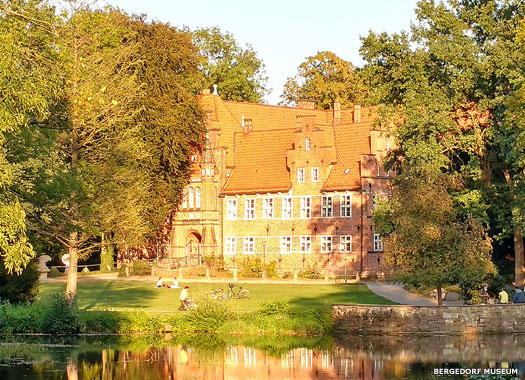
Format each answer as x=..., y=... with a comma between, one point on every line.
x=268, y=208
x=229, y=208
x=327, y=211
x=343, y=241
x=316, y=177
x=301, y=174
x=305, y=242
x=286, y=246
x=287, y=212
x=345, y=206
x=231, y=242
x=326, y=241
x=249, y=208
x=378, y=243
x=306, y=210
x=248, y=241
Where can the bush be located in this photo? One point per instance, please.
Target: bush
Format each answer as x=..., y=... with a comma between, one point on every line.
x=274, y=308
x=210, y=315
x=54, y=272
x=137, y=268
x=19, y=288
x=253, y=267
x=60, y=316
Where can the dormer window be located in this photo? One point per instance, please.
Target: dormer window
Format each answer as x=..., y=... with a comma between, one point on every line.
x=307, y=144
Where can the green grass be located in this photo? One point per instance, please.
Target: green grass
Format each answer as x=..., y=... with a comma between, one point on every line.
x=133, y=295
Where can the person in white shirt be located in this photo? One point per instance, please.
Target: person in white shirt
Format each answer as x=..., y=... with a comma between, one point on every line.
x=184, y=298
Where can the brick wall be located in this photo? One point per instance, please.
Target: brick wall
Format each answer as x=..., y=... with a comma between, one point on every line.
x=457, y=320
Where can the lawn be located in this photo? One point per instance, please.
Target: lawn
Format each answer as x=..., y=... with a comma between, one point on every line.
x=128, y=295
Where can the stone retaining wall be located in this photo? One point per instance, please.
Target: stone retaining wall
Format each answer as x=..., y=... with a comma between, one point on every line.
x=457, y=320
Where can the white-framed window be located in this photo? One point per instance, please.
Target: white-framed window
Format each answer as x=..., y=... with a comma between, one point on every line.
x=268, y=208
x=326, y=244
x=345, y=243
x=388, y=173
x=346, y=206
x=231, y=209
x=286, y=244
x=197, y=197
x=327, y=207
x=287, y=207
x=378, y=168
x=306, y=244
x=387, y=146
x=191, y=197
x=185, y=198
x=249, y=245
x=306, y=207
x=378, y=242
x=249, y=208
x=300, y=175
x=231, y=246
x=315, y=174
x=307, y=144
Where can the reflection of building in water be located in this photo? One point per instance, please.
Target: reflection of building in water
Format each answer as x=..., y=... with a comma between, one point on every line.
x=240, y=363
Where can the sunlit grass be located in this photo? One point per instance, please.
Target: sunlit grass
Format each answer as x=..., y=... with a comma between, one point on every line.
x=128, y=295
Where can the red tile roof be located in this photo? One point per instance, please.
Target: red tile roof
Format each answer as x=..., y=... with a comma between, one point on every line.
x=260, y=162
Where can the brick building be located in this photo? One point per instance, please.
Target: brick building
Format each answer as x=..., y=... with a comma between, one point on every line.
x=291, y=185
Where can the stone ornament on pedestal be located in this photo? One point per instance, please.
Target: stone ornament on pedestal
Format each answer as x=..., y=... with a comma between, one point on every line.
x=42, y=267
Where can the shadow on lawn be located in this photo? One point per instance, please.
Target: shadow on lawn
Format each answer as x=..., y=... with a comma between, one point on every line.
x=344, y=294
x=114, y=295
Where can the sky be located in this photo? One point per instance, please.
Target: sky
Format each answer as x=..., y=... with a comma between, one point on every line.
x=285, y=32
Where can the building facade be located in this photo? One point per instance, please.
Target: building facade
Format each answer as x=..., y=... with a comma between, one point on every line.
x=292, y=185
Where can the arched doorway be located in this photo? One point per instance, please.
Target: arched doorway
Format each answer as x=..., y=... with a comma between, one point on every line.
x=192, y=248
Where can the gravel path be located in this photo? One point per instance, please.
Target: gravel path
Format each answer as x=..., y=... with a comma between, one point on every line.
x=397, y=293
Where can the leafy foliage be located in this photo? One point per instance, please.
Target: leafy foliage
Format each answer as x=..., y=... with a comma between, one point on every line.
x=18, y=288
x=237, y=71
x=324, y=78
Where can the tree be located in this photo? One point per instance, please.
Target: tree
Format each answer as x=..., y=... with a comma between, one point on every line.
x=238, y=72
x=425, y=240
x=114, y=153
x=452, y=82
x=28, y=89
x=325, y=78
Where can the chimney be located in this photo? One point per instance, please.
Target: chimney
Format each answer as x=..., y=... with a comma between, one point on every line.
x=337, y=112
x=205, y=91
x=357, y=113
x=306, y=104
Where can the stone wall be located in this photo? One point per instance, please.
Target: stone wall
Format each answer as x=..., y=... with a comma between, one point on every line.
x=457, y=320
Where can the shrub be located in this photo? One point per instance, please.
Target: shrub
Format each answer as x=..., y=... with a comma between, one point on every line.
x=210, y=315
x=54, y=272
x=137, y=268
x=252, y=267
x=19, y=288
x=60, y=316
x=274, y=308
x=106, y=258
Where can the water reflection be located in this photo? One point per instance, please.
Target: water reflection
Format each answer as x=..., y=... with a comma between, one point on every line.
x=227, y=358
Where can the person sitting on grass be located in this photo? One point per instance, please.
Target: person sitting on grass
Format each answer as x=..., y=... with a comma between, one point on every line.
x=159, y=283
x=519, y=296
x=184, y=298
x=503, y=296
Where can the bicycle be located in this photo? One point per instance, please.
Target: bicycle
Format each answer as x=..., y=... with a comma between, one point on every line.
x=217, y=295
x=241, y=294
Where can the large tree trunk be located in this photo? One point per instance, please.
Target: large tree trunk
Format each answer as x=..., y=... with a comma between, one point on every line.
x=519, y=255
x=72, y=275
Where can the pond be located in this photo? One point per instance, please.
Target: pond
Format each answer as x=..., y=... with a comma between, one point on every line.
x=234, y=358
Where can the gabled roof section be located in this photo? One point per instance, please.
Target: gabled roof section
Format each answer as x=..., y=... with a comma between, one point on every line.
x=260, y=162
x=351, y=141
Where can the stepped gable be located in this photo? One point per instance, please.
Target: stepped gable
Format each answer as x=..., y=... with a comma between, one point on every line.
x=260, y=162
x=228, y=116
